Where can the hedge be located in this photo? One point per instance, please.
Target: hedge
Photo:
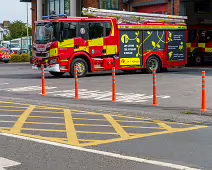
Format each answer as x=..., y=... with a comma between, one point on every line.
x=20, y=58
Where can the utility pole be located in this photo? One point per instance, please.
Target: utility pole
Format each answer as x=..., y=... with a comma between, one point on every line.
x=27, y=30
x=172, y=7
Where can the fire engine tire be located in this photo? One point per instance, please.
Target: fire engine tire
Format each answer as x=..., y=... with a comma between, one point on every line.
x=153, y=62
x=82, y=67
x=57, y=74
x=197, y=60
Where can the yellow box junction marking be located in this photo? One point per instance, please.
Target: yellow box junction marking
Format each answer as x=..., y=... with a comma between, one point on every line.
x=22, y=119
x=116, y=126
x=92, y=119
x=70, y=129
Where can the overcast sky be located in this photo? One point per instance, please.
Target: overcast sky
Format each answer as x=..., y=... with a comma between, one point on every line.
x=14, y=10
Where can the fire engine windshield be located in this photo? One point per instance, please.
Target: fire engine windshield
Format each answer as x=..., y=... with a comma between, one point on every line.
x=45, y=32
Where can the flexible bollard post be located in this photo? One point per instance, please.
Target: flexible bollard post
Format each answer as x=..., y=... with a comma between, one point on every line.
x=203, y=92
x=43, y=82
x=76, y=83
x=113, y=84
x=155, y=101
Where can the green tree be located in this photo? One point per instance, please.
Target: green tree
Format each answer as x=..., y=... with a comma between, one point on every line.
x=18, y=29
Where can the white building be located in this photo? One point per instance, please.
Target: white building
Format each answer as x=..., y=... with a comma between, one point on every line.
x=1, y=34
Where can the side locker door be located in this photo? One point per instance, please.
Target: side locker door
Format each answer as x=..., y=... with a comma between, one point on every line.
x=131, y=50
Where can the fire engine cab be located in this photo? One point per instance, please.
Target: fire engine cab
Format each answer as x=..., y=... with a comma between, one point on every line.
x=129, y=41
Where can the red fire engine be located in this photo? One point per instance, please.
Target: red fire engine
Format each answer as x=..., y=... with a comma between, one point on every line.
x=199, y=46
x=130, y=41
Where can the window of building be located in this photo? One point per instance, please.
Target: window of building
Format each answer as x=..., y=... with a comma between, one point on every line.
x=59, y=6
x=203, y=6
x=51, y=6
x=109, y=4
x=67, y=7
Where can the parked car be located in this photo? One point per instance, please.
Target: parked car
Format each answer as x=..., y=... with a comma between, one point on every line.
x=5, y=55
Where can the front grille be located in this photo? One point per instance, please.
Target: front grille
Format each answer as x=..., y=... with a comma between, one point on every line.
x=41, y=54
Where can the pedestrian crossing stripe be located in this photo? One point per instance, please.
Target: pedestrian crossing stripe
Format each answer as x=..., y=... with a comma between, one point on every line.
x=89, y=94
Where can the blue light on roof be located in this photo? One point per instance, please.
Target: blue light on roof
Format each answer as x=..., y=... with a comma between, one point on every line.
x=54, y=16
x=62, y=15
x=45, y=17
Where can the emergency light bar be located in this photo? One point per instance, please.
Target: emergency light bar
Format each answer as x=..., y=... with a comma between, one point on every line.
x=54, y=16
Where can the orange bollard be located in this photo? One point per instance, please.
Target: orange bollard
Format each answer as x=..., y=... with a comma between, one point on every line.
x=203, y=92
x=76, y=84
x=113, y=84
x=43, y=82
x=155, y=101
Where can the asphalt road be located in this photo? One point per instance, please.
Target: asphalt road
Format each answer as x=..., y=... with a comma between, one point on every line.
x=58, y=132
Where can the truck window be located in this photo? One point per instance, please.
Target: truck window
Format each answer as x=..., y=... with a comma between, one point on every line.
x=201, y=34
x=70, y=30
x=192, y=35
x=107, y=28
x=95, y=30
x=208, y=36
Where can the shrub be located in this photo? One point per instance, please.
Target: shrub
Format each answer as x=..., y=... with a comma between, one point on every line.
x=20, y=58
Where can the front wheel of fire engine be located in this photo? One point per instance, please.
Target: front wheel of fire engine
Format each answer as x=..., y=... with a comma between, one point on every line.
x=82, y=67
x=56, y=74
x=153, y=62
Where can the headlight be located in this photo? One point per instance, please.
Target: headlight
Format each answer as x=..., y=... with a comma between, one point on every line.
x=53, y=61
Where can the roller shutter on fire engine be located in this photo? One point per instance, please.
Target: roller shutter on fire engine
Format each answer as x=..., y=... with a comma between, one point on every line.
x=131, y=53
x=176, y=45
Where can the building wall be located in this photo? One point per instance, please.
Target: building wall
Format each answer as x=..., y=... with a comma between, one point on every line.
x=156, y=5
x=161, y=8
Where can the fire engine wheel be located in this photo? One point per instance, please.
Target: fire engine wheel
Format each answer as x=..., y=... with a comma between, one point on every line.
x=57, y=74
x=82, y=67
x=197, y=60
x=153, y=63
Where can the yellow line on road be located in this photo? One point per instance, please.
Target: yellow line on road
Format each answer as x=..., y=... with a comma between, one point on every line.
x=116, y=126
x=45, y=123
x=6, y=102
x=22, y=119
x=142, y=136
x=11, y=107
x=92, y=113
x=70, y=129
x=12, y=110
x=129, y=117
x=163, y=125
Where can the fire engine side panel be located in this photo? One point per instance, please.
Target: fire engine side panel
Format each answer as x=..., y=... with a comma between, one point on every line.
x=154, y=44
x=169, y=46
x=131, y=51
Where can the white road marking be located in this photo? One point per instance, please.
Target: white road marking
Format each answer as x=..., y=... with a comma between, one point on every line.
x=104, y=153
x=27, y=88
x=106, y=95
x=5, y=163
